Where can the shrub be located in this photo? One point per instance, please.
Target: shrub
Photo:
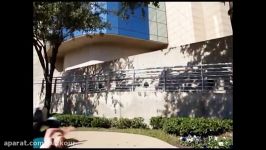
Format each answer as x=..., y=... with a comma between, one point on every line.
x=114, y=122
x=124, y=123
x=196, y=126
x=100, y=122
x=74, y=120
x=157, y=122
x=172, y=126
x=138, y=122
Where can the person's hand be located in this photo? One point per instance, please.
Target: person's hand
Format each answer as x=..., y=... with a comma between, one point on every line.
x=48, y=137
x=49, y=132
x=67, y=129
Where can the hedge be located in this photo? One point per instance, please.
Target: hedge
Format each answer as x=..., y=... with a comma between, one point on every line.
x=192, y=126
x=100, y=122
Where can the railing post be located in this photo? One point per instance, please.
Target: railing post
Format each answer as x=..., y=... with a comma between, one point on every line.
x=108, y=81
x=86, y=87
x=133, y=84
x=202, y=79
x=164, y=75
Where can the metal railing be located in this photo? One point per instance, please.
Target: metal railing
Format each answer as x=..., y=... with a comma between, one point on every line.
x=200, y=78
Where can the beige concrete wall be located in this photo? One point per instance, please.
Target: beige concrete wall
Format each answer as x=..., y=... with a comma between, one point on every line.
x=191, y=22
x=160, y=59
x=149, y=104
x=179, y=23
x=211, y=51
x=216, y=20
x=96, y=54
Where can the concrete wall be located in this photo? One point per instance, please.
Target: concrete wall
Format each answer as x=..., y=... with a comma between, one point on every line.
x=149, y=104
x=191, y=22
x=211, y=51
x=97, y=54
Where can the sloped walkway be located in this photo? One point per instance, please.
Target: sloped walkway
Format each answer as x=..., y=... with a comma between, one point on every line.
x=100, y=139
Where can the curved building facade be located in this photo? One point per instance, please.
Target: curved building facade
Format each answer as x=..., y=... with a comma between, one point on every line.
x=125, y=72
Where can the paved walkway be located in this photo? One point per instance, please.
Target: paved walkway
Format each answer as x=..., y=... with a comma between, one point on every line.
x=100, y=139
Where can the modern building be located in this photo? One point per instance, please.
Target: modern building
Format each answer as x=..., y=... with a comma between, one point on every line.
x=173, y=60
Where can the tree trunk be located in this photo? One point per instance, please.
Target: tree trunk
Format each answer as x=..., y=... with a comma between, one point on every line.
x=48, y=96
x=230, y=13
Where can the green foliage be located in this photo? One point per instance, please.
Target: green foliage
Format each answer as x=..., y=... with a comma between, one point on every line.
x=157, y=122
x=123, y=123
x=50, y=19
x=195, y=126
x=100, y=122
x=172, y=126
x=129, y=8
x=114, y=122
x=74, y=120
x=138, y=123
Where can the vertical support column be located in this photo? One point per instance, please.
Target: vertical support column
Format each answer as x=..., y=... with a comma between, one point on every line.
x=86, y=87
x=108, y=82
x=164, y=75
x=133, y=83
x=202, y=78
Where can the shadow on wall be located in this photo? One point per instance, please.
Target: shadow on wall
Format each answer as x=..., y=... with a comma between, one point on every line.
x=211, y=51
x=198, y=104
x=76, y=100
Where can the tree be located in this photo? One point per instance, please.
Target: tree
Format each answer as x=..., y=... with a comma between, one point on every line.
x=52, y=23
x=230, y=12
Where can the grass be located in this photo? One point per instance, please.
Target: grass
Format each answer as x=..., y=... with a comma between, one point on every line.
x=159, y=134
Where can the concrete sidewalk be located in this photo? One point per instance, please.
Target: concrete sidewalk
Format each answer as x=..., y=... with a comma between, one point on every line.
x=99, y=139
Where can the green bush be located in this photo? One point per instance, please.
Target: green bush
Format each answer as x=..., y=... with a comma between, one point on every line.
x=196, y=126
x=98, y=122
x=123, y=123
x=172, y=126
x=114, y=122
x=74, y=120
x=138, y=122
x=157, y=122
